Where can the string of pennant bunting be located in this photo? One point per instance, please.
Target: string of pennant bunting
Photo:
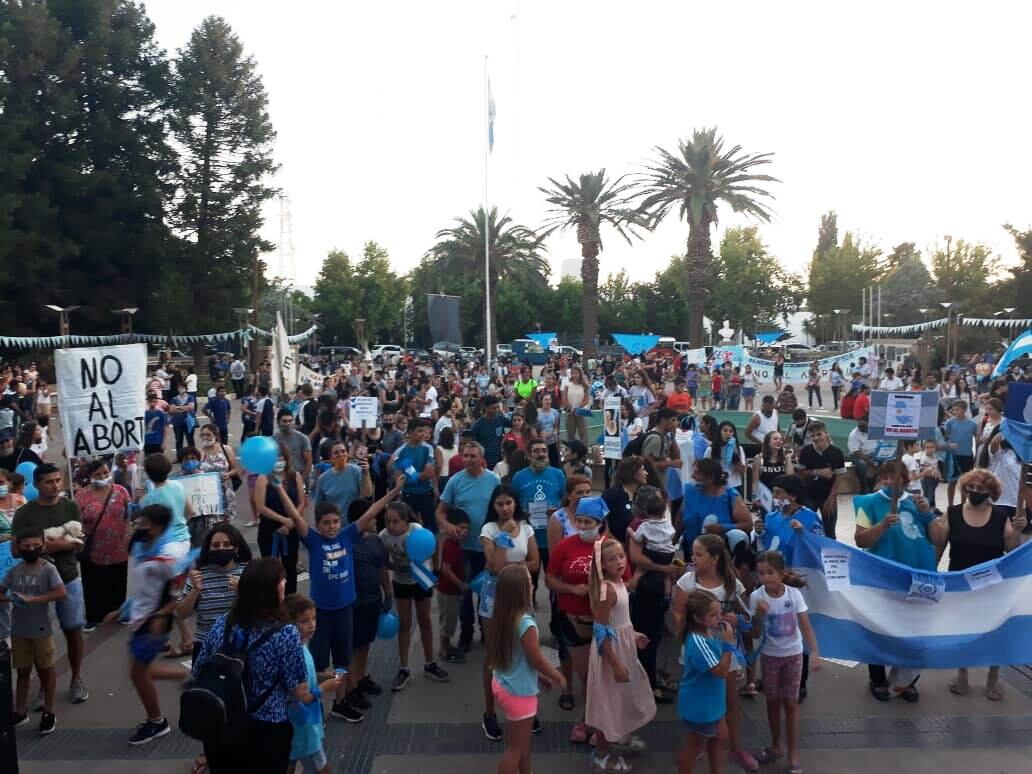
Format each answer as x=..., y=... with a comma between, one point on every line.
x=903, y=330
x=76, y=340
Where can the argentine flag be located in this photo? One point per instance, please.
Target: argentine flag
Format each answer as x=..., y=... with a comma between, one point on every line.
x=872, y=610
x=1021, y=346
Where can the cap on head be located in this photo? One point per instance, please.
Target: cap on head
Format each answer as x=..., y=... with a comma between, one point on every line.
x=593, y=507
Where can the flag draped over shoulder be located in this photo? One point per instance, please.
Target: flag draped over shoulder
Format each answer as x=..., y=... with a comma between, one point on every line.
x=869, y=609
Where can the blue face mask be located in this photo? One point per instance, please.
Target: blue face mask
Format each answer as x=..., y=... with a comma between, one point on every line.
x=4, y=490
x=190, y=466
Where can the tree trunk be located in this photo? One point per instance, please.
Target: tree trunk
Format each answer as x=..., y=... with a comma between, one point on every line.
x=700, y=275
x=589, y=277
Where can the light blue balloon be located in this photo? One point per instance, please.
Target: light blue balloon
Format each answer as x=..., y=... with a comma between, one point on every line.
x=388, y=627
x=26, y=469
x=259, y=454
x=420, y=545
x=31, y=493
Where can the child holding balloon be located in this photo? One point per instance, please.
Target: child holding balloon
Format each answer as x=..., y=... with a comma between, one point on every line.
x=407, y=542
x=330, y=548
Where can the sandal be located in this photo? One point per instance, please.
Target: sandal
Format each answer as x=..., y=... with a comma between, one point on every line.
x=179, y=652
x=633, y=744
x=880, y=692
x=959, y=687
x=606, y=763
x=768, y=755
x=795, y=768
x=579, y=734
x=748, y=691
x=993, y=692
x=566, y=702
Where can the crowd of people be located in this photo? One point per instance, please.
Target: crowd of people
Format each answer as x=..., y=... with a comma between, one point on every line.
x=667, y=573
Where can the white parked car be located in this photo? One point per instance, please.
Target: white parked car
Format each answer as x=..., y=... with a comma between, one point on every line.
x=388, y=353
x=503, y=349
x=565, y=349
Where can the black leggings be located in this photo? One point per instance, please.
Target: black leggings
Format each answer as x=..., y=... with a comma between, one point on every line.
x=289, y=559
x=647, y=613
x=263, y=749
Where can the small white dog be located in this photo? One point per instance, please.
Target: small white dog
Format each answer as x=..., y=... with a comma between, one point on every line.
x=70, y=529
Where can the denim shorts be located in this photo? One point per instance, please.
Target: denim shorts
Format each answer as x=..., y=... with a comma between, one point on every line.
x=71, y=611
x=708, y=730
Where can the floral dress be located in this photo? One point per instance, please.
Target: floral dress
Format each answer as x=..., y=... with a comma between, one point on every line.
x=217, y=462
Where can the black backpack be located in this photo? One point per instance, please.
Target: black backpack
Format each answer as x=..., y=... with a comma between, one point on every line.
x=633, y=448
x=215, y=706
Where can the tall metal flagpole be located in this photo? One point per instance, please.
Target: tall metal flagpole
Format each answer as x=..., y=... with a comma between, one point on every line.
x=488, y=352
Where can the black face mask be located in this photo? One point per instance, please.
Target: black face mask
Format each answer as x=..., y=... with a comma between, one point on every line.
x=140, y=536
x=222, y=556
x=31, y=554
x=977, y=498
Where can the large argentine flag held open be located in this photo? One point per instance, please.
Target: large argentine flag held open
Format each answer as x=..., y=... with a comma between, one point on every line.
x=869, y=609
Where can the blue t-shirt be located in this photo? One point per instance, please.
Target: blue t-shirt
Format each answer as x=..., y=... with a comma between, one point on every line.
x=701, y=695
x=186, y=399
x=155, y=421
x=520, y=679
x=961, y=432
x=173, y=497
x=332, y=567
x=472, y=495
x=308, y=737
x=548, y=425
x=411, y=460
x=778, y=535
x=698, y=505
x=339, y=486
x=539, y=492
x=219, y=409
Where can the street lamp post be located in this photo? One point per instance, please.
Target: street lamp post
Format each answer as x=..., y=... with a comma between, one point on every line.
x=243, y=314
x=127, y=320
x=947, y=305
x=64, y=325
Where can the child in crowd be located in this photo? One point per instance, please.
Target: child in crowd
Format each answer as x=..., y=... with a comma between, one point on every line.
x=702, y=695
x=913, y=467
x=372, y=596
x=307, y=715
x=401, y=522
x=211, y=586
x=330, y=557
x=452, y=585
x=620, y=699
x=928, y=470
x=517, y=664
x=779, y=617
x=656, y=536
x=30, y=586
x=960, y=440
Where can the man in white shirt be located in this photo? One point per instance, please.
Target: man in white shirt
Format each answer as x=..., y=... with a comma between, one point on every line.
x=862, y=451
x=891, y=381
x=866, y=370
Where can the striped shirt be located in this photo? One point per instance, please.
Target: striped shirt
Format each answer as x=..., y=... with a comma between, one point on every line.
x=216, y=596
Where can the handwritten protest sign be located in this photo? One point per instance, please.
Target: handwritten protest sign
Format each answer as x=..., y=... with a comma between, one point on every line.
x=204, y=493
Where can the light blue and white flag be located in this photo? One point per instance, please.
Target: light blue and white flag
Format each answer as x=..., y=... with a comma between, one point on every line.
x=872, y=610
x=1022, y=345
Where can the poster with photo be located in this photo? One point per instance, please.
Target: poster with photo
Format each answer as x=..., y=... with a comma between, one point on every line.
x=612, y=427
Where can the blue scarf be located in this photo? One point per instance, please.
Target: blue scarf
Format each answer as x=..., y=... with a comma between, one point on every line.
x=728, y=454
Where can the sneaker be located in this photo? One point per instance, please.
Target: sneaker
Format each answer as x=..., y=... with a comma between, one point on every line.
x=434, y=672
x=369, y=687
x=47, y=723
x=345, y=711
x=358, y=700
x=20, y=720
x=252, y=523
x=89, y=628
x=454, y=656
x=745, y=759
x=491, y=728
x=78, y=691
x=465, y=645
x=148, y=731
x=536, y=728
x=401, y=680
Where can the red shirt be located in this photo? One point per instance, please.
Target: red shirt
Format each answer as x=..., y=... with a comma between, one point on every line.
x=570, y=562
x=718, y=382
x=862, y=406
x=455, y=464
x=681, y=402
x=846, y=407
x=451, y=555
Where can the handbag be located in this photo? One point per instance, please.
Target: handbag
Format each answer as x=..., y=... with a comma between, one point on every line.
x=234, y=480
x=83, y=554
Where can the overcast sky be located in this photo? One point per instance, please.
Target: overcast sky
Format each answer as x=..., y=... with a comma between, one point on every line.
x=909, y=119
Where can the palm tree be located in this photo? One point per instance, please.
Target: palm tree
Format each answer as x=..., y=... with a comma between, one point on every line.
x=701, y=176
x=516, y=254
x=586, y=206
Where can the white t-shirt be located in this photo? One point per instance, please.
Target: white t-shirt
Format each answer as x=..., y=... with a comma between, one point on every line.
x=895, y=383
x=734, y=478
x=656, y=535
x=781, y=635
x=191, y=382
x=913, y=467
x=766, y=425
x=687, y=584
x=1005, y=465
x=518, y=553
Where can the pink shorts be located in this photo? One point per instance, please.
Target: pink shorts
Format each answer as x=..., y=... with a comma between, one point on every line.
x=513, y=707
x=781, y=676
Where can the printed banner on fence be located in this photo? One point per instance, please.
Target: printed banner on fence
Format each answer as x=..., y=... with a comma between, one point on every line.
x=102, y=399
x=872, y=610
x=306, y=375
x=204, y=493
x=798, y=372
x=364, y=411
x=612, y=425
x=900, y=416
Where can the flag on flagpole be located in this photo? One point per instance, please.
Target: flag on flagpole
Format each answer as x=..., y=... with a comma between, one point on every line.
x=490, y=117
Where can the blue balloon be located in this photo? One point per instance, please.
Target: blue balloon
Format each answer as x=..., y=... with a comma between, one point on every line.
x=26, y=469
x=259, y=454
x=420, y=545
x=31, y=493
x=388, y=627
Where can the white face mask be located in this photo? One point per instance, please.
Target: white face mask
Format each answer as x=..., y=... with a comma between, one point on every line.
x=101, y=482
x=207, y=441
x=279, y=467
x=589, y=535
x=779, y=505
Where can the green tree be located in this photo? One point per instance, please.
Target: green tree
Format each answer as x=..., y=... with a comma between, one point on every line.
x=381, y=295
x=752, y=290
x=562, y=311
x=838, y=274
x=907, y=287
x=964, y=275
x=701, y=176
x=517, y=254
x=587, y=205
x=220, y=122
x=83, y=159
x=336, y=298
x=625, y=304
x=1017, y=289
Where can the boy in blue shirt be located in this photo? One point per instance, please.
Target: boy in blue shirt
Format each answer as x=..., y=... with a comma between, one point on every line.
x=218, y=410
x=155, y=421
x=332, y=569
x=960, y=440
x=789, y=516
x=415, y=459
